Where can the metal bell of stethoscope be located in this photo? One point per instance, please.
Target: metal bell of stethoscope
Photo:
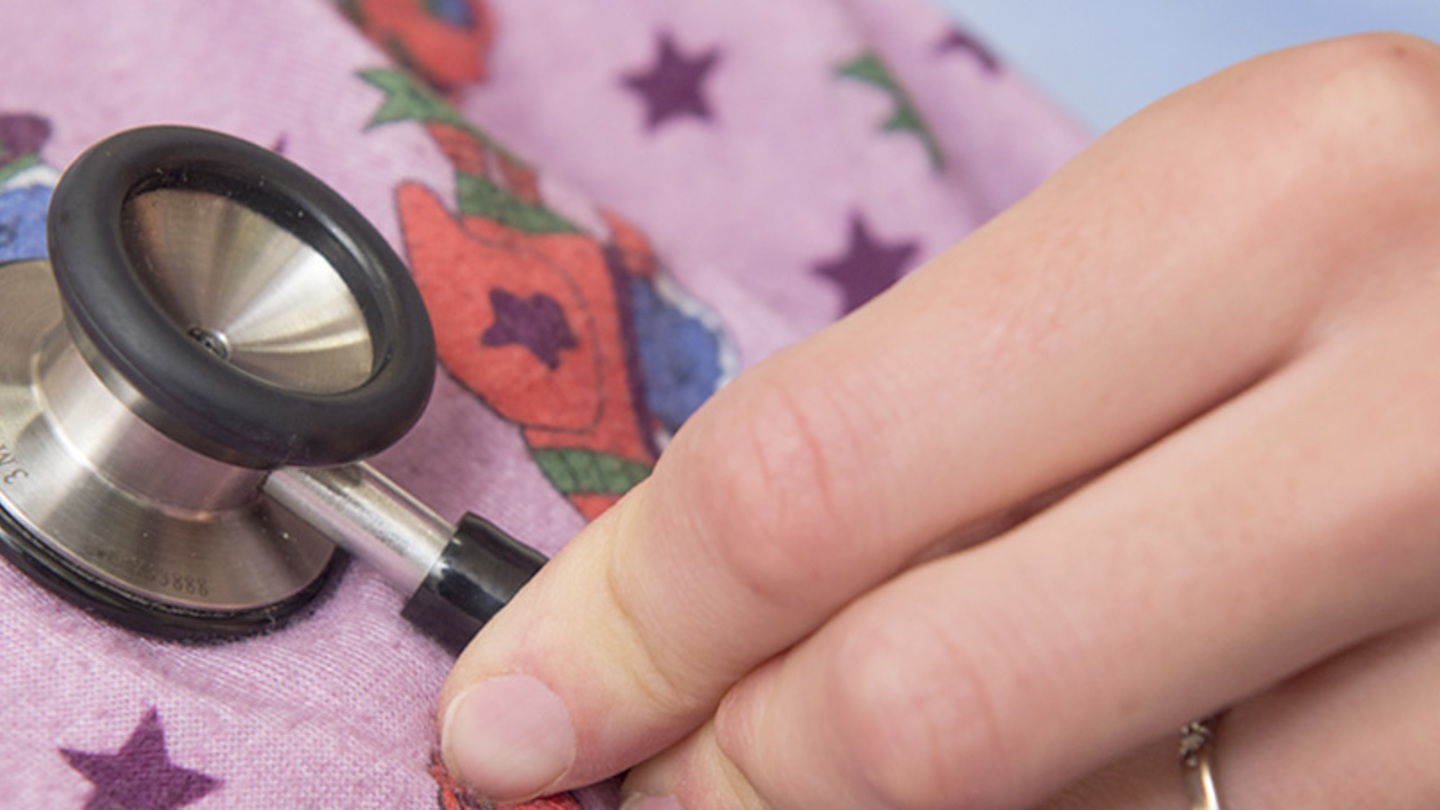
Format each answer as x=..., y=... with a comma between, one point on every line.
x=186, y=389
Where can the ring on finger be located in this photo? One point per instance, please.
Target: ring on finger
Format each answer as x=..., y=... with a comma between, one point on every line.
x=1197, y=754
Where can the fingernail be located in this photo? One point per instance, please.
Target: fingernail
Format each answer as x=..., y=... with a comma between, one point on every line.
x=642, y=802
x=508, y=738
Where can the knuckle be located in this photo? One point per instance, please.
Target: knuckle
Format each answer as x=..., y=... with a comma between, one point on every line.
x=1369, y=103
x=649, y=664
x=1338, y=143
x=916, y=719
x=767, y=485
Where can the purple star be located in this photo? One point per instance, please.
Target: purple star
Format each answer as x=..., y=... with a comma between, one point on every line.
x=22, y=134
x=674, y=86
x=537, y=323
x=140, y=775
x=868, y=266
x=958, y=40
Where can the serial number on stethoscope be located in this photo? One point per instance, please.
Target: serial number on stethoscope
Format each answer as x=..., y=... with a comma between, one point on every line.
x=179, y=584
x=157, y=577
x=12, y=471
x=186, y=584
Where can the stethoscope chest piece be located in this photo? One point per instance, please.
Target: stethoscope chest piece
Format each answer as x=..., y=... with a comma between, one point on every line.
x=210, y=313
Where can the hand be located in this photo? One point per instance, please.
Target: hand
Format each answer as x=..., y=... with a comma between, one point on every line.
x=1160, y=440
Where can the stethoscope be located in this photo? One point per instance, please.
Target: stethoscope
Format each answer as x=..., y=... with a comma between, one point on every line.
x=186, y=389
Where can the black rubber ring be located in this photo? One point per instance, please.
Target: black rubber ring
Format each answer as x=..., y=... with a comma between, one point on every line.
x=190, y=394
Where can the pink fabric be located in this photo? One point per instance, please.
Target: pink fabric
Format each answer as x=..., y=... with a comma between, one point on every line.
x=758, y=207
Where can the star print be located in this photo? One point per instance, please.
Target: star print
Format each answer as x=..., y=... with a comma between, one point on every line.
x=868, y=266
x=537, y=323
x=140, y=776
x=674, y=86
x=22, y=134
x=958, y=40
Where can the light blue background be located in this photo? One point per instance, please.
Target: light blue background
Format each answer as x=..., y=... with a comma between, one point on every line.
x=1105, y=59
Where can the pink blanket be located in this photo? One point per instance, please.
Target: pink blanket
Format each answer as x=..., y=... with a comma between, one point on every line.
x=610, y=209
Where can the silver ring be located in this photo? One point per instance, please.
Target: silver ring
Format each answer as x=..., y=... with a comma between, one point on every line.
x=1197, y=756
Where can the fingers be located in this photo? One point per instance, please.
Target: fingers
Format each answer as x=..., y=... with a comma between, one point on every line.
x=1357, y=731
x=1267, y=536
x=1075, y=330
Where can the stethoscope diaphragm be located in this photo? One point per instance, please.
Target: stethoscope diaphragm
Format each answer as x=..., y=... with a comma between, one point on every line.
x=186, y=388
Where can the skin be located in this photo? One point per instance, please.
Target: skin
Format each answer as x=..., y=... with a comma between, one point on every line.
x=1161, y=440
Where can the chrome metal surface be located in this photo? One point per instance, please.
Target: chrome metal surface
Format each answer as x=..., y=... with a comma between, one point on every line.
x=366, y=514
x=117, y=498
x=249, y=290
x=96, y=426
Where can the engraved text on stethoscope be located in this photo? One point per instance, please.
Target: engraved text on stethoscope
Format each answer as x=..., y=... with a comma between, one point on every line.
x=10, y=469
x=150, y=573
